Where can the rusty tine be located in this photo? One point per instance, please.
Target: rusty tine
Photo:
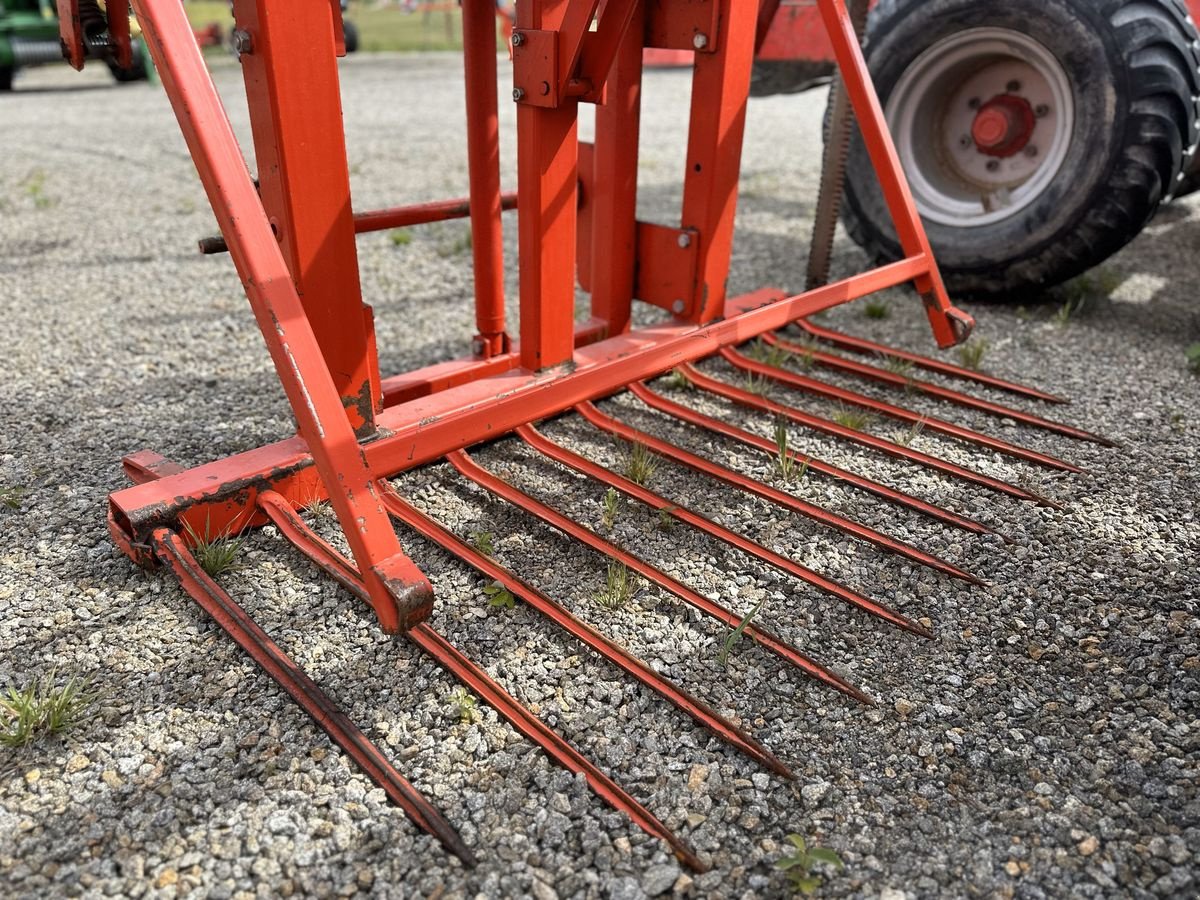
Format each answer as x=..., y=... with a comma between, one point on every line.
x=606, y=476
x=780, y=498
x=471, y=470
x=461, y=667
x=701, y=712
x=861, y=345
x=819, y=388
x=891, y=448
x=928, y=388
x=683, y=413
x=171, y=550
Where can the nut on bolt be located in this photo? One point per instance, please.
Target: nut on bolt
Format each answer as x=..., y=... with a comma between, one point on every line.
x=518, y=38
x=518, y=94
x=700, y=41
x=243, y=43
x=684, y=240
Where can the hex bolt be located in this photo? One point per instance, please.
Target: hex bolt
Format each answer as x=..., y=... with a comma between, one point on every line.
x=1013, y=86
x=243, y=43
x=993, y=165
x=518, y=94
x=1041, y=110
x=685, y=240
x=518, y=38
x=700, y=41
x=677, y=307
x=974, y=103
x=964, y=141
x=1031, y=150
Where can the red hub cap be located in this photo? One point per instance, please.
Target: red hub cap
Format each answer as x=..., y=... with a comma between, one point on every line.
x=1003, y=125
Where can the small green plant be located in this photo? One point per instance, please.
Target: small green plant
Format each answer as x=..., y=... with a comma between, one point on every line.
x=899, y=366
x=401, y=237
x=35, y=188
x=457, y=247
x=11, y=497
x=677, y=380
x=318, y=508
x=499, y=597
x=666, y=518
x=877, y=309
x=640, y=464
x=972, y=352
x=612, y=506
x=482, y=541
x=759, y=385
x=906, y=439
x=43, y=708
x=618, y=586
x=1192, y=355
x=768, y=354
x=852, y=418
x=790, y=468
x=215, y=553
x=736, y=634
x=798, y=864
x=1062, y=318
x=465, y=705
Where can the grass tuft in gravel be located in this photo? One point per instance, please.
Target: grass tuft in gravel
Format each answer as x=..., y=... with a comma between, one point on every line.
x=877, y=309
x=464, y=705
x=11, y=497
x=790, y=468
x=499, y=597
x=1192, y=355
x=42, y=708
x=618, y=586
x=677, y=380
x=768, y=354
x=972, y=352
x=216, y=553
x=759, y=385
x=611, y=509
x=640, y=464
x=854, y=419
x=483, y=541
x=736, y=634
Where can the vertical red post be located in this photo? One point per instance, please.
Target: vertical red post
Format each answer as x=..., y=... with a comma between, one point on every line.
x=547, y=177
x=304, y=181
x=614, y=206
x=483, y=161
x=720, y=88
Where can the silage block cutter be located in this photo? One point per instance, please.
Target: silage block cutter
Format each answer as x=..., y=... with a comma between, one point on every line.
x=291, y=235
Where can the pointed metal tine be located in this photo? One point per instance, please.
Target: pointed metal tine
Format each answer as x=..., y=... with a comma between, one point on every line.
x=826, y=426
x=860, y=345
x=471, y=470
x=928, y=388
x=780, y=498
x=863, y=401
x=475, y=678
x=449, y=658
x=172, y=551
x=573, y=460
x=756, y=442
x=700, y=711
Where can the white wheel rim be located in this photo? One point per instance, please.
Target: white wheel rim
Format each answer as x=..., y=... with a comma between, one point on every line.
x=935, y=103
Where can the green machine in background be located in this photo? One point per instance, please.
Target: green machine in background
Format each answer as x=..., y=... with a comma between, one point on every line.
x=29, y=37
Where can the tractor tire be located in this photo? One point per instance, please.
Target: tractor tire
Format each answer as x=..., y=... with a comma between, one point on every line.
x=6, y=77
x=1039, y=136
x=350, y=30
x=136, y=72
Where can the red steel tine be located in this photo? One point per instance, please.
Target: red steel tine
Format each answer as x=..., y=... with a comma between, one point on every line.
x=327, y=557
x=928, y=388
x=749, y=439
x=573, y=460
x=701, y=712
x=941, y=426
x=745, y=398
x=780, y=498
x=171, y=550
x=861, y=345
x=537, y=731
x=470, y=469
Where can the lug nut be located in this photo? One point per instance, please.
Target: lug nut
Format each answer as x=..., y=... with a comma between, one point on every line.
x=1041, y=110
x=974, y=103
x=993, y=165
x=964, y=141
x=1013, y=86
x=1031, y=150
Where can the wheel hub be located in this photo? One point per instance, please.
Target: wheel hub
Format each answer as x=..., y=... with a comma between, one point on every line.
x=1003, y=125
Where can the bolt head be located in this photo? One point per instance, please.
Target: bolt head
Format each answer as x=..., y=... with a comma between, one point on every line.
x=1041, y=110
x=1013, y=86
x=685, y=240
x=993, y=165
x=243, y=43
x=518, y=39
x=1031, y=150
x=517, y=95
x=677, y=307
x=974, y=103
x=700, y=41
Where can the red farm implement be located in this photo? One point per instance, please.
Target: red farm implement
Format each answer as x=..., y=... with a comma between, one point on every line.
x=291, y=235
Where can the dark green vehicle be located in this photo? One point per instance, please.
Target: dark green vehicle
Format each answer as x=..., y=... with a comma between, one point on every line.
x=29, y=37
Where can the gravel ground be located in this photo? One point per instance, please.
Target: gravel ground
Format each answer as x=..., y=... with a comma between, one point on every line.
x=1043, y=744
